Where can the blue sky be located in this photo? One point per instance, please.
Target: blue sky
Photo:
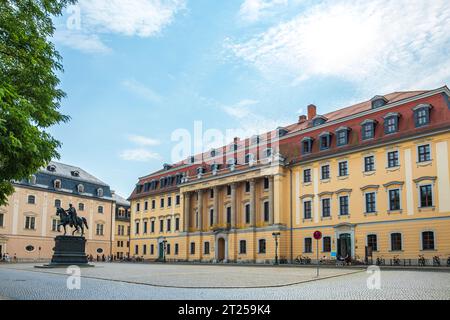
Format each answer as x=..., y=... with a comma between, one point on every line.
x=137, y=70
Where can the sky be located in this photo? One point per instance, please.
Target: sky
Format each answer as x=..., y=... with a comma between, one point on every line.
x=139, y=74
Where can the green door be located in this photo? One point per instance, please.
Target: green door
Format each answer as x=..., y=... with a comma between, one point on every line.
x=161, y=251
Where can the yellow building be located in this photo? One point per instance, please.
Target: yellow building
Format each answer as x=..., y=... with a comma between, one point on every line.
x=373, y=178
x=28, y=224
x=121, y=245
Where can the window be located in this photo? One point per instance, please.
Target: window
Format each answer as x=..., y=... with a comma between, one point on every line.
x=247, y=213
x=391, y=124
x=2, y=219
x=307, y=209
x=426, y=196
x=176, y=249
x=424, y=153
x=100, y=209
x=54, y=225
x=57, y=203
x=307, y=145
x=308, y=245
x=169, y=201
x=262, y=246
x=343, y=205
x=177, y=224
x=266, y=211
x=368, y=130
x=428, y=240
x=31, y=200
x=228, y=190
x=343, y=168
x=266, y=183
x=138, y=207
x=30, y=223
x=169, y=225
x=325, y=170
x=326, y=244
x=325, y=141
x=369, y=164
x=242, y=247
x=168, y=248
x=249, y=158
x=99, y=229
x=370, y=202
x=162, y=203
x=192, y=247
x=145, y=227
x=394, y=199
x=393, y=159
x=100, y=192
x=161, y=225
x=153, y=204
x=144, y=249
x=145, y=205
x=307, y=175
x=326, y=208
x=268, y=152
x=247, y=186
x=177, y=200
x=342, y=137
x=396, y=242
x=136, y=249
x=206, y=248
x=372, y=242
x=136, y=227
x=152, y=249
x=228, y=215
x=422, y=115
x=152, y=226
x=81, y=206
x=80, y=188
x=57, y=184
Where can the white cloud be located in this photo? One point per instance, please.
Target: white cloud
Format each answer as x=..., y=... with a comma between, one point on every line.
x=89, y=19
x=253, y=10
x=240, y=109
x=139, y=154
x=379, y=45
x=141, y=90
x=143, y=141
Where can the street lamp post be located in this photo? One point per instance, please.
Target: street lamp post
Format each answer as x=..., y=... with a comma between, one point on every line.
x=276, y=235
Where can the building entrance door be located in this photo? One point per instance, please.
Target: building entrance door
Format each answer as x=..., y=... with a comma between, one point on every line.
x=344, y=246
x=221, y=249
x=161, y=251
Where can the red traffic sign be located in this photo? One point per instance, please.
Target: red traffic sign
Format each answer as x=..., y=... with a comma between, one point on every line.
x=317, y=235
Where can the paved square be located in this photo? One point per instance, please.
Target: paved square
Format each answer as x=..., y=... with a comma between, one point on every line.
x=152, y=281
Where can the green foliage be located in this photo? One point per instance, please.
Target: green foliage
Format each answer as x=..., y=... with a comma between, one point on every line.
x=29, y=94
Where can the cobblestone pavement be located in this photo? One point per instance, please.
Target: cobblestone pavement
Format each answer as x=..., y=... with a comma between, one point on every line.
x=28, y=284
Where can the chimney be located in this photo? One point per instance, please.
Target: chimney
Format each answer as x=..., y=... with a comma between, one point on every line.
x=302, y=119
x=312, y=111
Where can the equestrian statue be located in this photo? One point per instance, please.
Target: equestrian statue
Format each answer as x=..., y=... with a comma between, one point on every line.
x=69, y=217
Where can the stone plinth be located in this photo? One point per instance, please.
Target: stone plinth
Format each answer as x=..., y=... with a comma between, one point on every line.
x=69, y=251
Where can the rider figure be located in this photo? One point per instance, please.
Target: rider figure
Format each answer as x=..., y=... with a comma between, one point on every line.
x=73, y=215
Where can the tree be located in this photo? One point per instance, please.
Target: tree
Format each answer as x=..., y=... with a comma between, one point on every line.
x=29, y=94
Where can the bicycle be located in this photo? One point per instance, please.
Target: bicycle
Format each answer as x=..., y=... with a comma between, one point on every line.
x=422, y=261
x=436, y=261
x=380, y=261
x=302, y=260
x=396, y=261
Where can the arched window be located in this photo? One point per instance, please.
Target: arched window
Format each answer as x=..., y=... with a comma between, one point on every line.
x=57, y=203
x=31, y=199
x=100, y=192
x=81, y=206
x=80, y=188
x=57, y=184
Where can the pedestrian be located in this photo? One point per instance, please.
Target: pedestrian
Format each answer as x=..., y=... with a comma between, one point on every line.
x=15, y=258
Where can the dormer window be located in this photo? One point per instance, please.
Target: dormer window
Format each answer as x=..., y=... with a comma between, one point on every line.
x=57, y=184
x=75, y=173
x=268, y=152
x=281, y=132
x=318, y=120
x=378, y=101
x=307, y=145
x=342, y=136
x=422, y=115
x=215, y=167
x=99, y=192
x=213, y=153
x=80, y=188
x=191, y=159
x=51, y=168
x=325, y=140
x=368, y=129
x=200, y=170
x=167, y=166
x=391, y=123
x=138, y=188
x=33, y=179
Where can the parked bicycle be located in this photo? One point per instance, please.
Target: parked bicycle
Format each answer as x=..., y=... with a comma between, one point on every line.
x=380, y=261
x=422, y=260
x=436, y=261
x=302, y=260
x=396, y=261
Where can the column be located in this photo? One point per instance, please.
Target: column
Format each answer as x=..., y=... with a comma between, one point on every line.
x=186, y=215
x=233, y=205
x=252, y=203
x=216, y=205
x=271, y=199
x=200, y=210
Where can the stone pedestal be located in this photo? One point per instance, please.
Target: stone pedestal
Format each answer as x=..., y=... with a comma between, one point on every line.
x=69, y=251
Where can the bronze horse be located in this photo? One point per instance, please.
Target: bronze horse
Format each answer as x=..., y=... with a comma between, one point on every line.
x=65, y=220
